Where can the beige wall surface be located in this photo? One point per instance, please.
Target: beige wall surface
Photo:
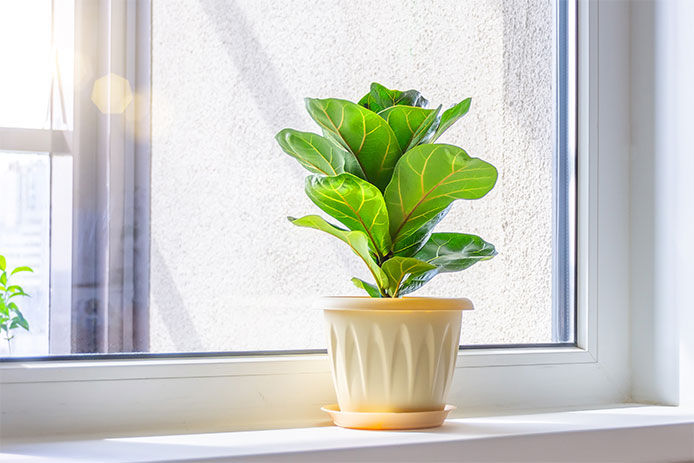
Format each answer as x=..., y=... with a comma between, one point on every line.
x=228, y=272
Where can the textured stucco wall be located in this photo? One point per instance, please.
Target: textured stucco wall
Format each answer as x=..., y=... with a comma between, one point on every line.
x=228, y=271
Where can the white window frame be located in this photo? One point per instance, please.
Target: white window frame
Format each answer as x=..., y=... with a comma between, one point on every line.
x=229, y=393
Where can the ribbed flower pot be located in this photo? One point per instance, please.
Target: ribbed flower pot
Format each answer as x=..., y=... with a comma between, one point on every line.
x=393, y=355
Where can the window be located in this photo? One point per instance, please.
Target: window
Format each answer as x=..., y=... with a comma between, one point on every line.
x=287, y=390
x=192, y=253
x=35, y=166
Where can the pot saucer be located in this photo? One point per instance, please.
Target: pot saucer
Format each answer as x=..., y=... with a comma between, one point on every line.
x=386, y=420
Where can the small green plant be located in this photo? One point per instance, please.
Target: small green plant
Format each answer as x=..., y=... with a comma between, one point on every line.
x=11, y=317
x=378, y=171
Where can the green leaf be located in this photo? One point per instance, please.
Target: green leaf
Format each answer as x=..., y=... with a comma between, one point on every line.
x=356, y=240
x=452, y=252
x=398, y=268
x=449, y=252
x=380, y=98
x=15, y=290
x=427, y=179
x=356, y=203
x=318, y=154
x=450, y=117
x=3, y=278
x=19, y=320
x=368, y=102
x=385, y=97
x=21, y=269
x=410, y=124
x=364, y=133
x=4, y=310
x=3, y=263
x=370, y=289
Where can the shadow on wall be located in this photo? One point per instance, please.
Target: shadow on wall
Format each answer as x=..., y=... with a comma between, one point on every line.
x=176, y=311
x=259, y=75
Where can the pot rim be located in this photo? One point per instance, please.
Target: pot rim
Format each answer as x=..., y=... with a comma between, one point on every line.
x=400, y=303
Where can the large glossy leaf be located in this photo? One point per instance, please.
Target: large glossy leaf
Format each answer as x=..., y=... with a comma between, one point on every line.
x=410, y=124
x=452, y=252
x=364, y=133
x=318, y=154
x=448, y=252
x=356, y=203
x=450, y=116
x=370, y=289
x=398, y=268
x=380, y=98
x=355, y=239
x=427, y=179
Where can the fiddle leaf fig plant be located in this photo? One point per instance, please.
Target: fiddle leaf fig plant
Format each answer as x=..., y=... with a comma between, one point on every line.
x=377, y=170
x=11, y=317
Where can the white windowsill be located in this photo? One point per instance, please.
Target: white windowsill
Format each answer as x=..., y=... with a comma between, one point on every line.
x=624, y=433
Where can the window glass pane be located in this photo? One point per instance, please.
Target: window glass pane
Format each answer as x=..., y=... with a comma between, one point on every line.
x=24, y=241
x=228, y=272
x=36, y=52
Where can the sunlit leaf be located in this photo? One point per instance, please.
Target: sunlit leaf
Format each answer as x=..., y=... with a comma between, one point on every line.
x=410, y=124
x=356, y=240
x=449, y=252
x=356, y=203
x=450, y=116
x=398, y=268
x=370, y=289
x=364, y=133
x=427, y=179
x=318, y=154
x=21, y=269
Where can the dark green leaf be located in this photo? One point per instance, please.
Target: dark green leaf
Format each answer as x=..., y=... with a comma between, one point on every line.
x=450, y=116
x=449, y=252
x=356, y=203
x=364, y=133
x=380, y=98
x=368, y=102
x=19, y=322
x=385, y=97
x=412, y=98
x=427, y=179
x=452, y=252
x=398, y=268
x=370, y=289
x=318, y=154
x=356, y=240
x=410, y=124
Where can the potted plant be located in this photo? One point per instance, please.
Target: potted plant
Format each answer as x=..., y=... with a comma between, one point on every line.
x=378, y=170
x=11, y=318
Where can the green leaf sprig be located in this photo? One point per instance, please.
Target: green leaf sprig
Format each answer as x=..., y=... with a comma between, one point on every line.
x=11, y=318
x=377, y=170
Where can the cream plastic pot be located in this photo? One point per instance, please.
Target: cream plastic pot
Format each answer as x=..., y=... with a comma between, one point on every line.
x=393, y=355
